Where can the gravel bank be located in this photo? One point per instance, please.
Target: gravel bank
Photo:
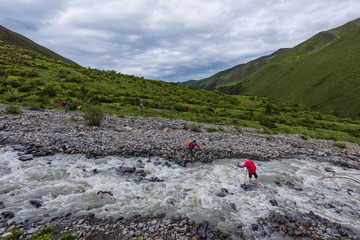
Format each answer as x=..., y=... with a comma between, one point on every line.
x=42, y=133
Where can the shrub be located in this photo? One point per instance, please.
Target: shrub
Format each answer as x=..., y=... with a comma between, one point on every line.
x=238, y=129
x=267, y=123
x=304, y=137
x=36, y=106
x=45, y=233
x=68, y=237
x=48, y=90
x=93, y=115
x=14, y=235
x=339, y=145
x=211, y=129
x=192, y=127
x=13, y=109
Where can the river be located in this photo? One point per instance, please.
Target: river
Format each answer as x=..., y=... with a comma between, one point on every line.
x=71, y=184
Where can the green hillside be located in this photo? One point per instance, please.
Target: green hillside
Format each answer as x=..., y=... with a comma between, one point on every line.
x=233, y=75
x=322, y=73
x=33, y=80
x=13, y=38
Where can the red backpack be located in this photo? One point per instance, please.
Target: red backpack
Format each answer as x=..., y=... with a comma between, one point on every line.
x=251, y=166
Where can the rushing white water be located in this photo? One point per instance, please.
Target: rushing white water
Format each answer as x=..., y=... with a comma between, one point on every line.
x=67, y=183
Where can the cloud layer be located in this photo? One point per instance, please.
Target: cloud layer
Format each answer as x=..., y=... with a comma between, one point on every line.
x=171, y=40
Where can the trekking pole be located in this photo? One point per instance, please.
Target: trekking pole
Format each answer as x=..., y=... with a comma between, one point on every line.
x=235, y=172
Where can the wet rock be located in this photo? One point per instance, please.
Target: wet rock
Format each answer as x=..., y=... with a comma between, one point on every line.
x=7, y=214
x=35, y=203
x=2, y=205
x=245, y=186
x=343, y=233
x=124, y=170
x=254, y=227
x=26, y=158
x=273, y=202
x=277, y=183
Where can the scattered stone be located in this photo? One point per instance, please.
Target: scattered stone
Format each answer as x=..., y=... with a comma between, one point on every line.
x=26, y=158
x=36, y=203
x=273, y=202
x=7, y=214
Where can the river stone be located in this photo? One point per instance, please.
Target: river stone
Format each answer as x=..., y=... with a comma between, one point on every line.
x=32, y=231
x=7, y=214
x=254, y=227
x=6, y=234
x=35, y=203
x=273, y=202
x=245, y=186
x=2, y=205
x=26, y=158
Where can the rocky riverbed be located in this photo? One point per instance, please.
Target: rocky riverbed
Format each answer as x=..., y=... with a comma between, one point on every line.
x=42, y=133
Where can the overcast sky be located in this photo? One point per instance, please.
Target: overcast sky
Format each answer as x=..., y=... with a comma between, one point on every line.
x=171, y=40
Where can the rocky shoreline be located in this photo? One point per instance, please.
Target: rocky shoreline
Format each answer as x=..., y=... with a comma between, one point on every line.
x=42, y=133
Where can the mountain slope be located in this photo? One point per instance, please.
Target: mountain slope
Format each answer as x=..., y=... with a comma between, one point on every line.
x=235, y=74
x=321, y=73
x=13, y=38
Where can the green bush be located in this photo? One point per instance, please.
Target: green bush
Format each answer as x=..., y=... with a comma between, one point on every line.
x=211, y=129
x=15, y=235
x=93, y=115
x=45, y=234
x=192, y=127
x=13, y=109
x=266, y=122
x=36, y=106
x=339, y=145
x=48, y=90
x=68, y=237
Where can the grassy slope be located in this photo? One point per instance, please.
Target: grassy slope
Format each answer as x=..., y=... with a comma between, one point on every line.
x=14, y=38
x=235, y=74
x=31, y=79
x=320, y=73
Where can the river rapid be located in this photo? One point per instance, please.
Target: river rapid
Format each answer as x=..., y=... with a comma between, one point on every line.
x=75, y=184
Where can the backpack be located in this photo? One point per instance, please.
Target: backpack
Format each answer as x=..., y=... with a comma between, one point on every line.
x=190, y=142
x=251, y=166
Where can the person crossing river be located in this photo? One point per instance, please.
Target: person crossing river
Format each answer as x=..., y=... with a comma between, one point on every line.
x=191, y=149
x=252, y=170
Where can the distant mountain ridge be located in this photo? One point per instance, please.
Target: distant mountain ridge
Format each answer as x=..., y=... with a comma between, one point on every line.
x=235, y=74
x=13, y=38
x=321, y=73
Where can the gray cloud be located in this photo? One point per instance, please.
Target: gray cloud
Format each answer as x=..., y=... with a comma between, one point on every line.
x=171, y=40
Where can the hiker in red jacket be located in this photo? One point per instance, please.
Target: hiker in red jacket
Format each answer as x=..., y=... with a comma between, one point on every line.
x=252, y=170
x=186, y=108
x=64, y=104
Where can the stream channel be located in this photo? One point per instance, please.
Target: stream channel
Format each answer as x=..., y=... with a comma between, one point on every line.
x=71, y=183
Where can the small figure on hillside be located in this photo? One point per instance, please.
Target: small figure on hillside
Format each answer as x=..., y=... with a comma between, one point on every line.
x=78, y=107
x=141, y=105
x=64, y=104
x=252, y=170
x=186, y=108
x=191, y=149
